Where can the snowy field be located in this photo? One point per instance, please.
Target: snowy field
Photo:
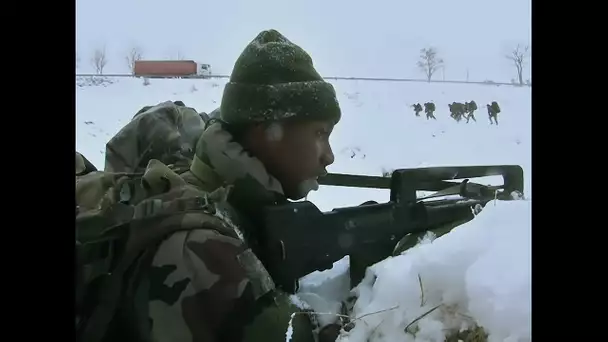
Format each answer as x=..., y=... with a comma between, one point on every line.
x=479, y=274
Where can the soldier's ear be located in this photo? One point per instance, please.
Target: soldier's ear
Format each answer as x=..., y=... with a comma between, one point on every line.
x=274, y=131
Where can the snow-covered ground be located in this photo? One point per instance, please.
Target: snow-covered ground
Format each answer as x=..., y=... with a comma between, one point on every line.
x=477, y=274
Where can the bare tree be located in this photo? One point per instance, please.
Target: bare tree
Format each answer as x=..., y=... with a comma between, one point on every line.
x=429, y=62
x=518, y=57
x=180, y=56
x=99, y=60
x=135, y=54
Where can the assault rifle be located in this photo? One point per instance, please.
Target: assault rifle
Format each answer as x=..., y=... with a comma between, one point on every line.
x=300, y=239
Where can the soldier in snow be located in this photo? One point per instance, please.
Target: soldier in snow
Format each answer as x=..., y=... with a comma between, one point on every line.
x=268, y=144
x=429, y=109
x=493, y=110
x=469, y=109
x=417, y=108
x=456, y=111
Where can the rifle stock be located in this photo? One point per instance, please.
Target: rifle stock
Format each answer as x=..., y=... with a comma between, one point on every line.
x=300, y=239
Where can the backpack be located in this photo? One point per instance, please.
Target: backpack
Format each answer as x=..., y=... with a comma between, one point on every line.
x=495, y=107
x=472, y=106
x=431, y=106
x=112, y=208
x=166, y=131
x=117, y=233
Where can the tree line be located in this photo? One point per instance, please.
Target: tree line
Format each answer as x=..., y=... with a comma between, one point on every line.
x=99, y=59
x=429, y=61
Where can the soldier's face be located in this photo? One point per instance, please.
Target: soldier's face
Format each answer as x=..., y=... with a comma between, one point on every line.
x=298, y=154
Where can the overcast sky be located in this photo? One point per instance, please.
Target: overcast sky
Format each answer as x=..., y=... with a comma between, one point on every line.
x=379, y=38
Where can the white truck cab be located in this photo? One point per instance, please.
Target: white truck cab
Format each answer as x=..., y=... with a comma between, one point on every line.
x=204, y=69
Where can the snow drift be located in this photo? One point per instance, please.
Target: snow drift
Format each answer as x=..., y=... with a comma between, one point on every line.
x=477, y=276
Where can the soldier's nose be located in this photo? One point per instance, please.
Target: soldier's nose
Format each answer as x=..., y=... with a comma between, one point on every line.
x=327, y=158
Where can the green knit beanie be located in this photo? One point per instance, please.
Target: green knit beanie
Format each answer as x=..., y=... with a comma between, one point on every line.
x=274, y=79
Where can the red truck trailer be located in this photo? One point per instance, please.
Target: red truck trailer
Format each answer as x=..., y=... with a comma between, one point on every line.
x=170, y=68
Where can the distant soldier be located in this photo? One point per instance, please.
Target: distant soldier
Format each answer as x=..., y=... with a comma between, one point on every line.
x=450, y=105
x=470, y=108
x=429, y=108
x=417, y=108
x=493, y=110
x=456, y=111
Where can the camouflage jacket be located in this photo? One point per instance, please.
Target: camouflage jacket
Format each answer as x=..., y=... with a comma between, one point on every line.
x=205, y=284
x=222, y=291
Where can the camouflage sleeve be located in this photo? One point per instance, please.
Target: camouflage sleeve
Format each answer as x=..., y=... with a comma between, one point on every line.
x=206, y=286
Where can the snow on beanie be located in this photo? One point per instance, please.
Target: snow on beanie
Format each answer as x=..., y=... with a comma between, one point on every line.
x=274, y=79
